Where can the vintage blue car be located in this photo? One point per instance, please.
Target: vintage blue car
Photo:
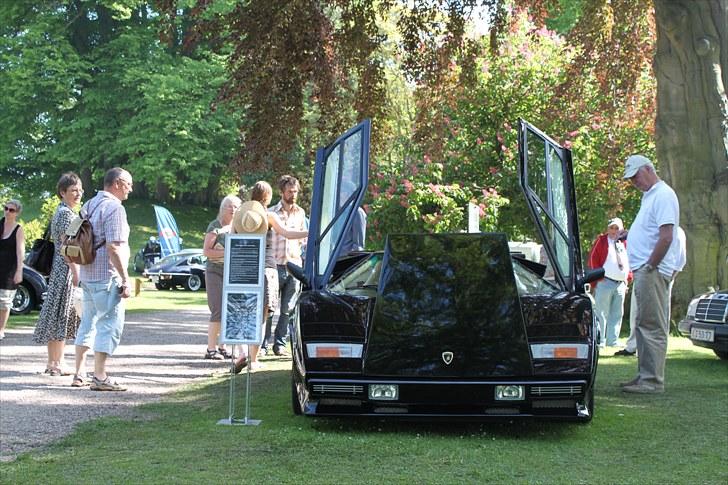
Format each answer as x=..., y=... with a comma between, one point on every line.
x=444, y=325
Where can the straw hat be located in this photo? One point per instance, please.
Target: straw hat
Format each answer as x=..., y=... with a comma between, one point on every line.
x=251, y=218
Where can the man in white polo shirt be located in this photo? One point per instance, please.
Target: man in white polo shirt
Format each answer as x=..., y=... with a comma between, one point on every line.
x=654, y=255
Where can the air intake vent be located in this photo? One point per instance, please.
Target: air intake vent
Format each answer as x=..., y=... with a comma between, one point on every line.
x=712, y=309
x=349, y=389
x=555, y=390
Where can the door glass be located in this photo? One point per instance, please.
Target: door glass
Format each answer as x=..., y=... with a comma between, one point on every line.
x=559, y=210
x=328, y=208
x=537, y=166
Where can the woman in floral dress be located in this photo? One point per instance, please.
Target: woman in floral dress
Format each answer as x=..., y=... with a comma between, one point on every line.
x=58, y=320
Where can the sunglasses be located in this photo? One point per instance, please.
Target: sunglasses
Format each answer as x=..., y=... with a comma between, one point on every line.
x=10, y=209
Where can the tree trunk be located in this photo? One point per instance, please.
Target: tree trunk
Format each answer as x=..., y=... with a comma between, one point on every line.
x=691, y=133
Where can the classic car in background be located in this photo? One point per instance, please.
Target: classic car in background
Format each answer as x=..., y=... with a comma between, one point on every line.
x=706, y=322
x=185, y=268
x=31, y=292
x=450, y=325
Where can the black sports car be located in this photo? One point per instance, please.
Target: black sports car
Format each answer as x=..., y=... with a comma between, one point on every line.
x=185, y=268
x=31, y=292
x=706, y=322
x=444, y=324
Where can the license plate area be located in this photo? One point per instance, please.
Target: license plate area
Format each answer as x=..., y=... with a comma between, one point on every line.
x=702, y=334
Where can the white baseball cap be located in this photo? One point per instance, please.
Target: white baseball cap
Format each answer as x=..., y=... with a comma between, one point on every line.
x=616, y=222
x=633, y=163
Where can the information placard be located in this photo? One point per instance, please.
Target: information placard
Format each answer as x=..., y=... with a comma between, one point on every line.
x=243, y=285
x=243, y=266
x=242, y=314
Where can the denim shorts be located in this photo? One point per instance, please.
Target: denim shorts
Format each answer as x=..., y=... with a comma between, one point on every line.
x=102, y=319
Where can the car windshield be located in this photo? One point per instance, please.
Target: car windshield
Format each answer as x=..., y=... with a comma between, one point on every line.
x=365, y=275
x=172, y=258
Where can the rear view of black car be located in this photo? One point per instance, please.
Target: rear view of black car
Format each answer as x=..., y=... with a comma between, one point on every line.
x=449, y=325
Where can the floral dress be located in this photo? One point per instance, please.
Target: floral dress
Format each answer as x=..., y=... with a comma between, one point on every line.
x=58, y=319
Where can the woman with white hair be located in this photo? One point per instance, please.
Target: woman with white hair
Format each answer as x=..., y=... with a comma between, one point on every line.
x=12, y=250
x=214, y=249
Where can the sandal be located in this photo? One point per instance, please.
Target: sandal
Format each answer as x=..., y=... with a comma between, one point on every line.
x=224, y=353
x=213, y=355
x=78, y=381
x=55, y=372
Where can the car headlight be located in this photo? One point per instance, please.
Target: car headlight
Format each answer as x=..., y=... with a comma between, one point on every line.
x=693, y=307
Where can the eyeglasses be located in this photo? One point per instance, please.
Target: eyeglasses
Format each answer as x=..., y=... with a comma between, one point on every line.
x=10, y=209
x=125, y=182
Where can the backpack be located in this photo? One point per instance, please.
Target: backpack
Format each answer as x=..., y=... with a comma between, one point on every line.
x=77, y=243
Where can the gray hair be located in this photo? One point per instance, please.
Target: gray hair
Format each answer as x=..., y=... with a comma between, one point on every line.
x=112, y=175
x=18, y=205
x=229, y=199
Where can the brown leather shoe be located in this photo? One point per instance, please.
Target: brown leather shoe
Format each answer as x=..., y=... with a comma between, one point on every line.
x=240, y=364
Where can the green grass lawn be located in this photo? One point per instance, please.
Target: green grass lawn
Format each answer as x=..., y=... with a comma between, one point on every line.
x=678, y=437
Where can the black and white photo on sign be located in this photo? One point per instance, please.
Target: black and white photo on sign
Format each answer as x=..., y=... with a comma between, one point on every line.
x=244, y=260
x=242, y=314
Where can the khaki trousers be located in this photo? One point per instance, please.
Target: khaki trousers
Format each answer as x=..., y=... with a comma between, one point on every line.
x=652, y=324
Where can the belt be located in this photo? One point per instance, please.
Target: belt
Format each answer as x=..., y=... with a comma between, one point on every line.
x=613, y=281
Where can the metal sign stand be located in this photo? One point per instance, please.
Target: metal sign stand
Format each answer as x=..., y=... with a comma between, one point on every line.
x=232, y=420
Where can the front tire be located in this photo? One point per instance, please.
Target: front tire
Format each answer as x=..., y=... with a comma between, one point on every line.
x=193, y=283
x=295, y=403
x=162, y=285
x=24, y=300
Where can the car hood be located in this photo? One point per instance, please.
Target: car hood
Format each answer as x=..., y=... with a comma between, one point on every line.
x=447, y=306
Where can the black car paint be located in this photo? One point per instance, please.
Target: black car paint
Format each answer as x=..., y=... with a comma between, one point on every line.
x=409, y=351
x=177, y=269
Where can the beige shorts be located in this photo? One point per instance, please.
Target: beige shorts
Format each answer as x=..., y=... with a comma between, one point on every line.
x=6, y=299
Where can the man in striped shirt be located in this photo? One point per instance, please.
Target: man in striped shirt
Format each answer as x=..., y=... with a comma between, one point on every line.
x=293, y=218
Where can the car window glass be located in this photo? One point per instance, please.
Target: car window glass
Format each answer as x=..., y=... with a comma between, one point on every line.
x=529, y=283
x=342, y=181
x=559, y=210
x=365, y=275
x=328, y=208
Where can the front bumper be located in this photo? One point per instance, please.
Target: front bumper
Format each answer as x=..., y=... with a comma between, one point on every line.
x=703, y=332
x=471, y=399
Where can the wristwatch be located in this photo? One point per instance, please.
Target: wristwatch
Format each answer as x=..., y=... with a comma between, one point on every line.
x=649, y=267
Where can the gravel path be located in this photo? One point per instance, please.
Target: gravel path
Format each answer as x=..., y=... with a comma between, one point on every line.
x=158, y=353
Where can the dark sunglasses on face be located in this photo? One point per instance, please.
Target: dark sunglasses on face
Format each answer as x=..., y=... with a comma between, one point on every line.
x=10, y=209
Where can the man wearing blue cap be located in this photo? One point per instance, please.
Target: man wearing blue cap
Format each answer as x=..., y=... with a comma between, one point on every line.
x=654, y=256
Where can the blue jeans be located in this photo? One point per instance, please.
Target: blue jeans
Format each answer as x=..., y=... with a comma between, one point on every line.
x=290, y=288
x=102, y=319
x=609, y=297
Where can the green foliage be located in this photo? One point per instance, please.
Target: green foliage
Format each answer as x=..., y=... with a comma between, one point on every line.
x=91, y=86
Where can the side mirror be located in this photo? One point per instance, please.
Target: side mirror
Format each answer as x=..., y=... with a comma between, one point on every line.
x=589, y=276
x=297, y=272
